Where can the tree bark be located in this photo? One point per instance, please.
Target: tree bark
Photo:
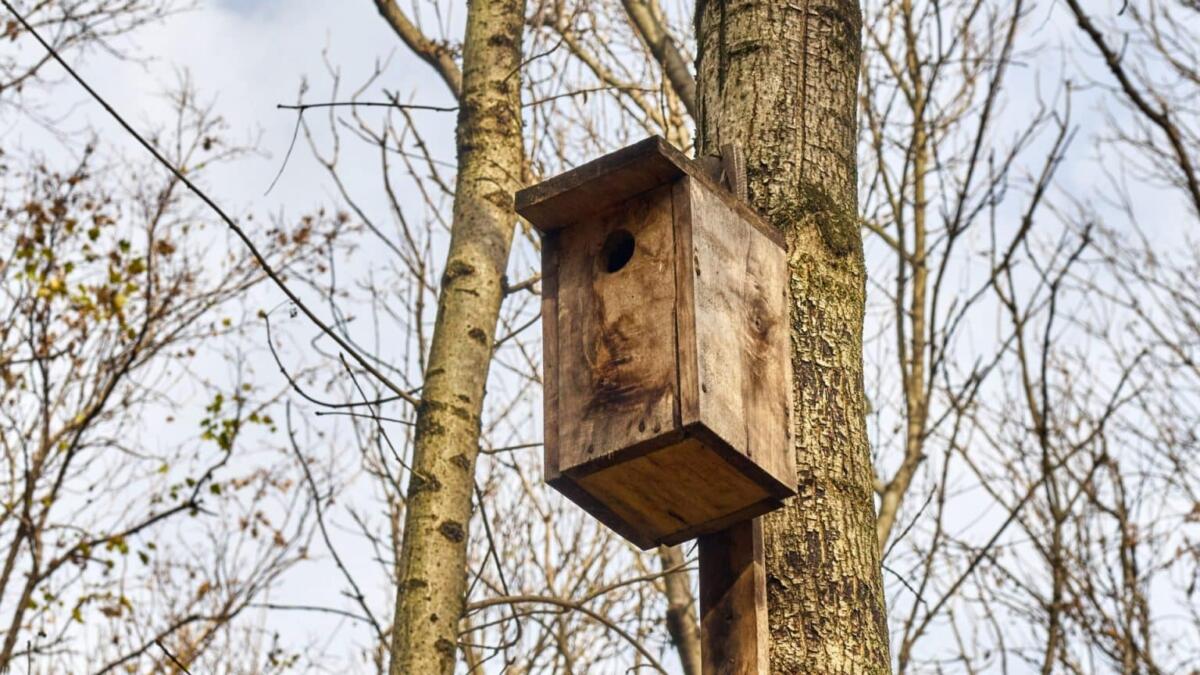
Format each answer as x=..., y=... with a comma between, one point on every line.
x=682, y=624
x=432, y=565
x=780, y=79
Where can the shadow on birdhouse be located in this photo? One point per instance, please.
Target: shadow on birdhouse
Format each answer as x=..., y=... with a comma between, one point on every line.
x=667, y=364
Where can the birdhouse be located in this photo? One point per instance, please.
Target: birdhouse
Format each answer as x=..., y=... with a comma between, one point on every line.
x=667, y=364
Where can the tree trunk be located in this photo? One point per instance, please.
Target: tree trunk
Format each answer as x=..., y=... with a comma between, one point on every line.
x=682, y=624
x=780, y=79
x=432, y=565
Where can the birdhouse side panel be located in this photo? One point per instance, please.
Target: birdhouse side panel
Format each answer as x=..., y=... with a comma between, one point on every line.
x=616, y=332
x=550, y=356
x=742, y=334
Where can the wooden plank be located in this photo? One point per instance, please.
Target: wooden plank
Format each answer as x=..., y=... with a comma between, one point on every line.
x=734, y=632
x=616, y=333
x=598, y=185
x=742, y=330
x=672, y=490
x=778, y=489
x=550, y=438
x=600, y=511
x=685, y=307
x=582, y=193
x=723, y=523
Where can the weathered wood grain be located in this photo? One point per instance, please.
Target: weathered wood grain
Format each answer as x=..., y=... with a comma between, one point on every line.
x=616, y=331
x=667, y=378
x=733, y=602
x=739, y=279
x=672, y=489
x=600, y=184
x=608, y=181
x=687, y=361
x=734, y=632
x=550, y=360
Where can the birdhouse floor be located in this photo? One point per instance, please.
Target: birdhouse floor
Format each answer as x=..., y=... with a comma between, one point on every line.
x=703, y=492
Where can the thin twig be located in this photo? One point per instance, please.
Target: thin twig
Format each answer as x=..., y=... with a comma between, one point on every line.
x=172, y=657
x=366, y=104
x=358, y=596
x=377, y=418
x=310, y=608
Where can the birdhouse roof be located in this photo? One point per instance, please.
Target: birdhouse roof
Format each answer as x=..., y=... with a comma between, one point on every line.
x=612, y=179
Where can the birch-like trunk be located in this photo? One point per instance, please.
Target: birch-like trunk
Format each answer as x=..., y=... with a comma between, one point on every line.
x=780, y=79
x=432, y=563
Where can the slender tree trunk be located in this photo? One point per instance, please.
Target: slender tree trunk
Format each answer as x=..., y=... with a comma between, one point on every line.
x=780, y=79
x=682, y=624
x=432, y=565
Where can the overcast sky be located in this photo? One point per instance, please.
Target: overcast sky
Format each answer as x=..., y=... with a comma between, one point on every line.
x=246, y=56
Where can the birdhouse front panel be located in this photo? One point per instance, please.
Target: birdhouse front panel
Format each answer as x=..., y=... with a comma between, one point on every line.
x=667, y=373
x=616, y=331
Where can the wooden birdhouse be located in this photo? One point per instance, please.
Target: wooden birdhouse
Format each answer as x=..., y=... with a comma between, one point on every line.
x=667, y=363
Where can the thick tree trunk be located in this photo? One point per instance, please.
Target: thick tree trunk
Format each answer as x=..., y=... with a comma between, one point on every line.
x=780, y=78
x=432, y=564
